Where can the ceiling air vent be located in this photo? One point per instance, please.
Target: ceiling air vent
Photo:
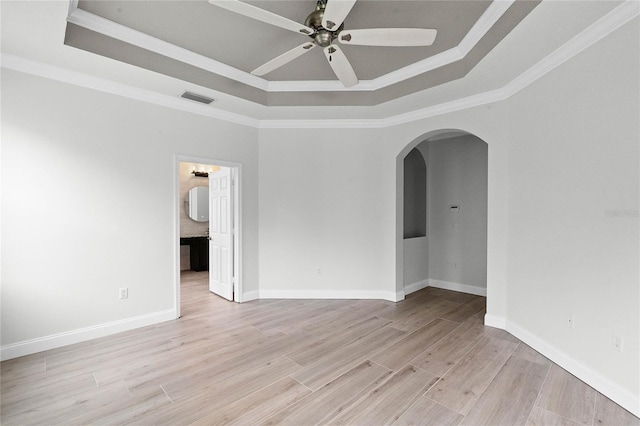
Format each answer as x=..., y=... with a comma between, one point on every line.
x=196, y=97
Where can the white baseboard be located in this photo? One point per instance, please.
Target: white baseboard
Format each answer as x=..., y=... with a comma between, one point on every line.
x=495, y=322
x=399, y=296
x=248, y=296
x=462, y=288
x=53, y=341
x=620, y=396
x=332, y=294
x=411, y=288
x=603, y=385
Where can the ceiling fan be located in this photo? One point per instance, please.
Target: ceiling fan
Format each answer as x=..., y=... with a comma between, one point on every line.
x=324, y=26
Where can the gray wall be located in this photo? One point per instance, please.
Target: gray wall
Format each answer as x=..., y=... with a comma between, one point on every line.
x=574, y=194
x=89, y=204
x=457, y=172
x=415, y=195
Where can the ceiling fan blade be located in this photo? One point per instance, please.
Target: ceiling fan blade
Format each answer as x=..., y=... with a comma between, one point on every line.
x=285, y=58
x=335, y=12
x=341, y=66
x=262, y=15
x=389, y=37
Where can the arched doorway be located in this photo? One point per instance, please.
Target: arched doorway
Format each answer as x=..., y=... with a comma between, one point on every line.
x=442, y=208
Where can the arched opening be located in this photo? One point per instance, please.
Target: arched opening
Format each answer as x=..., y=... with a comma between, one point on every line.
x=444, y=213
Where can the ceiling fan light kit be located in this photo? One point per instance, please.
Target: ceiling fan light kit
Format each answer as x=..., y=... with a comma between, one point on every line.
x=325, y=26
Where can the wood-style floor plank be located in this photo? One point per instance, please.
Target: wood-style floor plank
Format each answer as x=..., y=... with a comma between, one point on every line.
x=541, y=417
x=416, y=319
x=444, y=354
x=182, y=386
x=509, y=398
x=567, y=396
x=426, y=360
x=205, y=398
x=334, y=398
x=350, y=315
x=464, y=384
x=387, y=402
x=345, y=358
x=462, y=312
x=352, y=334
x=608, y=413
x=108, y=408
x=402, y=352
x=258, y=406
x=425, y=412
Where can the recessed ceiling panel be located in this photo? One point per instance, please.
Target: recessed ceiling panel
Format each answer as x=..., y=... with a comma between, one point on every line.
x=131, y=31
x=245, y=43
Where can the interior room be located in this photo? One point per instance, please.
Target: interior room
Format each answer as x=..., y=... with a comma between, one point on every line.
x=407, y=180
x=194, y=221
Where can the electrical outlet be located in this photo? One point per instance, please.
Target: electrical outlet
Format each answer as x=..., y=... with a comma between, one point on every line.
x=124, y=293
x=618, y=343
x=319, y=271
x=571, y=321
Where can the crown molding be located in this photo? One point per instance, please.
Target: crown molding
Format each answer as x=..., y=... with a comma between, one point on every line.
x=128, y=35
x=123, y=33
x=604, y=26
x=624, y=13
x=619, y=16
x=40, y=69
x=488, y=19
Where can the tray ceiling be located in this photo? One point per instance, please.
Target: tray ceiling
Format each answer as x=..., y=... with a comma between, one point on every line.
x=212, y=47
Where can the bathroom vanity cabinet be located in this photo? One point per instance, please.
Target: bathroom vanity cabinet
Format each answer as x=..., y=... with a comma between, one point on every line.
x=199, y=252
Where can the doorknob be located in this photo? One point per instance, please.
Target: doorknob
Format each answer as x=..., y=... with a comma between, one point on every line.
x=210, y=238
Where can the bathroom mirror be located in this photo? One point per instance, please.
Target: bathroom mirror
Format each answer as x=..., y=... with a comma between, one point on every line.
x=198, y=204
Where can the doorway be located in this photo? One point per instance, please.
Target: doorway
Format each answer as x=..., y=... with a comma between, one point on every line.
x=196, y=240
x=444, y=208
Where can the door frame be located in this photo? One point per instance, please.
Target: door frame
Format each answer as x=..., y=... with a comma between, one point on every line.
x=236, y=173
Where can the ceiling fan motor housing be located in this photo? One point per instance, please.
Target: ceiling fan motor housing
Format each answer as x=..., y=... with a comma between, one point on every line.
x=322, y=37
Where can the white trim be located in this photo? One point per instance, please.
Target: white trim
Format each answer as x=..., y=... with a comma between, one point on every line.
x=412, y=288
x=400, y=295
x=123, y=33
x=53, y=341
x=488, y=19
x=238, y=282
x=621, y=396
x=332, y=294
x=128, y=35
x=595, y=32
x=76, y=78
x=250, y=295
x=495, y=322
x=590, y=35
x=176, y=232
x=459, y=287
x=355, y=123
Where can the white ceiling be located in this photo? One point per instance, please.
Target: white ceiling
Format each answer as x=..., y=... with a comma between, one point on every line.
x=33, y=41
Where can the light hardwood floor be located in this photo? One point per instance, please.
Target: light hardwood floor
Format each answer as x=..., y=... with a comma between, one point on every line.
x=426, y=360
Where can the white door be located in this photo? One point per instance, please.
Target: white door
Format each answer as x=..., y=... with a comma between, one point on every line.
x=221, y=233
